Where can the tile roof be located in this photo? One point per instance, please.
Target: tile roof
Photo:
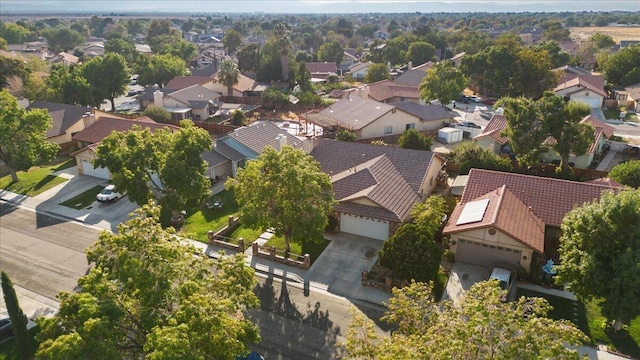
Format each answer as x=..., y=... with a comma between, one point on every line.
x=424, y=112
x=594, y=83
x=63, y=115
x=497, y=124
x=507, y=213
x=260, y=134
x=197, y=94
x=355, y=112
x=411, y=77
x=227, y=151
x=245, y=83
x=601, y=130
x=321, y=67
x=424, y=67
x=607, y=182
x=147, y=93
x=387, y=89
x=387, y=176
x=633, y=91
x=359, y=66
x=550, y=199
x=181, y=82
x=105, y=125
x=209, y=71
x=214, y=157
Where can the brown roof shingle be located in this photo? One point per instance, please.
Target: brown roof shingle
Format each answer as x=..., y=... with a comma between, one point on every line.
x=63, y=115
x=104, y=126
x=497, y=124
x=387, y=89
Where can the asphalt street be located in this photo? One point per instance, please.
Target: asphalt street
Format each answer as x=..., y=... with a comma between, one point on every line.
x=44, y=255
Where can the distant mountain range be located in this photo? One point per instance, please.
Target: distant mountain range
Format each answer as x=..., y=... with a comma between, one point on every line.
x=309, y=6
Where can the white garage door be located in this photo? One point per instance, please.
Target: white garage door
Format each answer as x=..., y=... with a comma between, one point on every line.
x=364, y=227
x=486, y=255
x=593, y=102
x=99, y=172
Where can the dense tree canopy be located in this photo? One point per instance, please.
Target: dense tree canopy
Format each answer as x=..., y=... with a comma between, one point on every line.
x=66, y=84
x=442, y=82
x=377, y=72
x=284, y=190
x=470, y=155
x=331, y=52
x=62, y=38
x=23, y=139
x=420, y=52
x=14, y=33
x=599, y=251
x=480, y=326
x=163, y=162
x=622, y=67
x=414, y=139
x=108, y=76
x=157, y=113
x=160, y=69
x=148, y=296
x=232, y=40
x=228, y=75
x=627, y=173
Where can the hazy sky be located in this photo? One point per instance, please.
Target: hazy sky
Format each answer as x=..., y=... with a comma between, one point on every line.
x=313, y=6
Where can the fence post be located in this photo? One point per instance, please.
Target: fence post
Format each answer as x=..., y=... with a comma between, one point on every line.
x=388, y=283
x=241, y=244
x=272, y=252
x=230, y=221
x=255, y=247
x=210, y=236
x=307, y=261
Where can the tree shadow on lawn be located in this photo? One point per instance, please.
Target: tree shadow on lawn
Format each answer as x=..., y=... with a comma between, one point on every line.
x=310, y=330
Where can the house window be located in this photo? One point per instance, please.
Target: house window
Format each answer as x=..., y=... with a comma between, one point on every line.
x=410, y=126
x=393, y=111
x=388, y=129
x=197, y=117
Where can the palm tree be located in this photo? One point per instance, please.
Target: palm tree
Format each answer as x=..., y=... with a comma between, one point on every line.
x=228, y=75
x=284, y=47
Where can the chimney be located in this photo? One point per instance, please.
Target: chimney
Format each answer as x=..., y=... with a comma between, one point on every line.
x=157, y=98
x=281, y=141
x=365, y=92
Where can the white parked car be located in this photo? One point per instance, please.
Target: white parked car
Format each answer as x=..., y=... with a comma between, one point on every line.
x=507, y=279
x=110, y=193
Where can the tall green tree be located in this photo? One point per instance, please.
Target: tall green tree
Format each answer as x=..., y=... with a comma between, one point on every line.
x=108, y=77
x=480, y=326
x=148, y=296
x=65, y=84
x=249, y=58
x=232, y=40
x=174, y=45
x=303, y=77
x=525, y=130
x=599, y=251
x=18, y=318
x=345, y=135
x=165, y=163
x=562, y=121
x=414, y=139
x=14, y=33
x=442, y=82
x=331, y=52
x=621, y=68
x=284, y=190
x=160, y=69
x=159, y=27
x=412, y=253
x=283, y=42
x=377, y=72
x=123, y=46
x=420, y=52
x=23, y=139
x=627, y=173
x=62, y=38
x=10, y=69
x=228, y=75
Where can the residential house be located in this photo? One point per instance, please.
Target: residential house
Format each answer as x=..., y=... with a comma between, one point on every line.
x=382, y=35
x=359, y=71
x=629, y=97
x=432, y=117
x=457, y=59
x=194, y=102
x=66, y=121
x=411, y=77
x=602, y=132
x=513, y=218
x=183, y=82
x=37, y=49
x=368, y=119
x=93, y=49
x=387, y=91
x=89, y=139
x=321, y=69
x=231, y=152
x=491, y=137
x=246, y=86
x=206, y=70
x=64, y=58
x=585, y=88
x=376, y=186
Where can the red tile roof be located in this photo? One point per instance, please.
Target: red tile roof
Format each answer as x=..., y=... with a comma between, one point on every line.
x=507, y=213
x=494, y=129
x=549, y=199
x=594, y=83
x=182, y=82
x=105, y=125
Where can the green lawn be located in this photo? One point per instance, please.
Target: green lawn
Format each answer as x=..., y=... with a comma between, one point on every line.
x=614, y=114
x=249, y=235
x=9, y=351
x=83, y=200
x=37, y=180
x=199, y=222
x=314, y=249
x=588, y=317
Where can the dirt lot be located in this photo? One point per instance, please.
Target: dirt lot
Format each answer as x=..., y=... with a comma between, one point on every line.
x=616, y=32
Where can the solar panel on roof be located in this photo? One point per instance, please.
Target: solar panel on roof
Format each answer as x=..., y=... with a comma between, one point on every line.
x=473, y=212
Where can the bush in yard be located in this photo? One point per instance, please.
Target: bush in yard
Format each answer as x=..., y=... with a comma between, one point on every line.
x=627, y=173
x=157, y=113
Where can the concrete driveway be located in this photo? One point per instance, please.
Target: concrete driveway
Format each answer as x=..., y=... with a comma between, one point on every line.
x=463, y=276
x=339, y=268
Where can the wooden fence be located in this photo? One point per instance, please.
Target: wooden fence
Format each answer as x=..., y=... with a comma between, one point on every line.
x=281, y=256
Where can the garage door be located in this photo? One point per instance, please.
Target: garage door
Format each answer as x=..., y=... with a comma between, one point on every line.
x=364, y=227
x=99, y=172
x=486, y=255
x=593, y=102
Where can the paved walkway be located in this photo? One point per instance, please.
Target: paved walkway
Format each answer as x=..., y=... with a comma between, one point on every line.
x=606, y=161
